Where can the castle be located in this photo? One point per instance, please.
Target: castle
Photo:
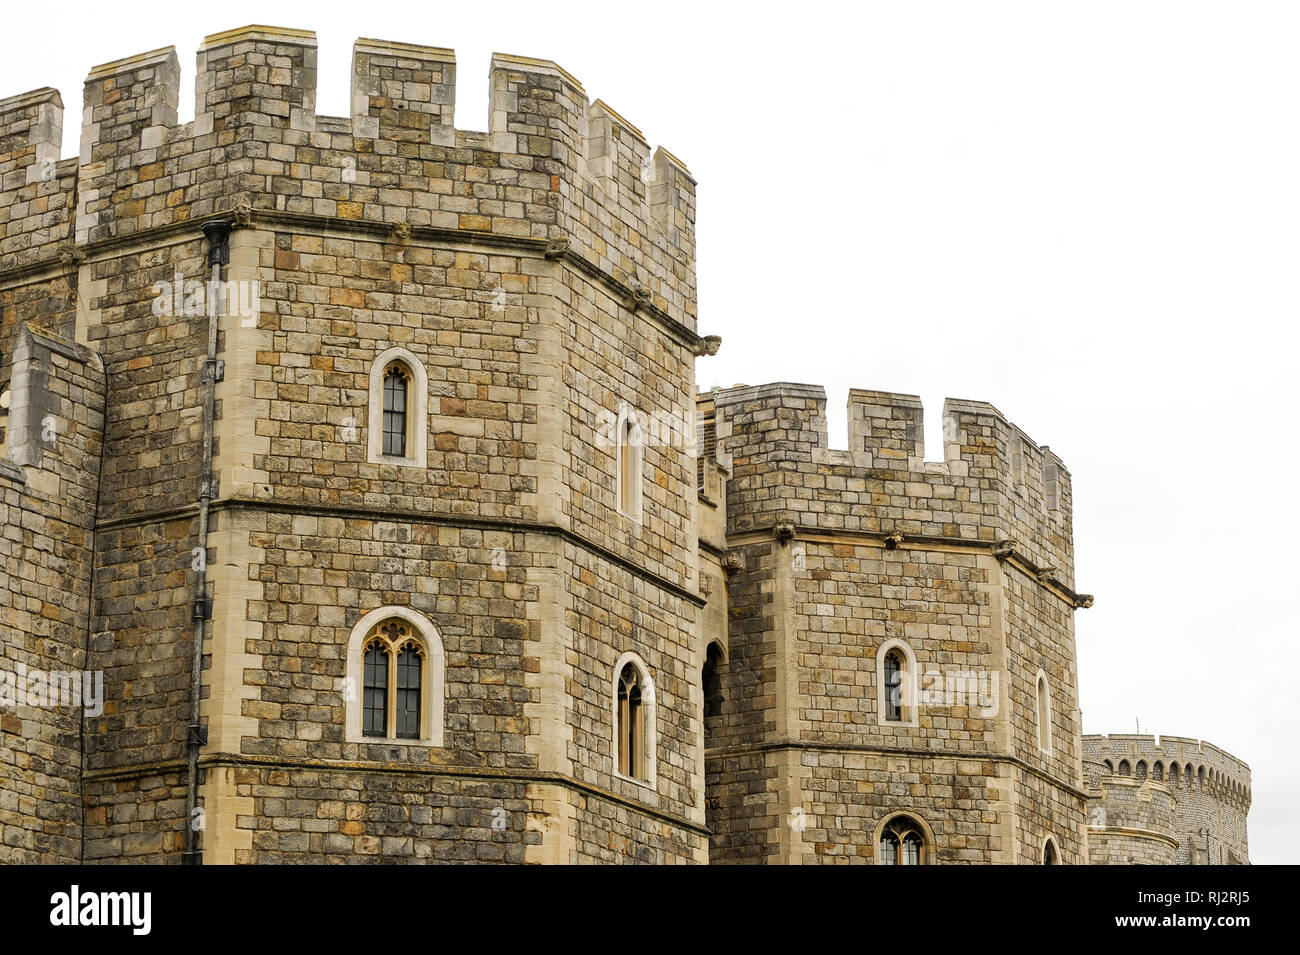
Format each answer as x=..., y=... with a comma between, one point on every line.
x=361, y=461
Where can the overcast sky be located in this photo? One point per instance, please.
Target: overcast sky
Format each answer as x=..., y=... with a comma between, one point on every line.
x=1085, y=214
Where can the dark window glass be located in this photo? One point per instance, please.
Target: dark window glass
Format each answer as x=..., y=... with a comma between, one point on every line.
x=395, y=412
x=893, y=687
x=375, y=698
x=712, y=683
x=408, y=693
x=624, y=756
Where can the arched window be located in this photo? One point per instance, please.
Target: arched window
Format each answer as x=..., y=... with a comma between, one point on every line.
x=902, y=841
x=634, y=720
x=397, y=380
x=1051, y=856
x=395, y=660
x=399, y=410
x=1173, y=774
x=1044, y=708
x=1158, y=771
x=1141, y=769
x=629, y=449
x=711, y=682
x=1124, y=768
x=394, y=681
x=896, y=676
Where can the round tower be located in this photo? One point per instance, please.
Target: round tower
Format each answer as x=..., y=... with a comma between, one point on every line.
x=1128, y=777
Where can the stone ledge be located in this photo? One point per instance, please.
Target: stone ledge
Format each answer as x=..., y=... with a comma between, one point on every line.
x=782, y=389
x=164, y=54
x=254, y=32
x=12, y=472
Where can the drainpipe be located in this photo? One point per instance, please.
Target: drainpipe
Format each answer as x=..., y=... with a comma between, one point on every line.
x=218, y=234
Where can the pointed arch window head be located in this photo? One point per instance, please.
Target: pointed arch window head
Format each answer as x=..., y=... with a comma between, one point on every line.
x=1050, y=854
x=903, y=841
x=397, y=381
x=396, y=657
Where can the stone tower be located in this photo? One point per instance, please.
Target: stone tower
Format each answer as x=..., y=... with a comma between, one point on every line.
x=361, y=459
x=528, y=283
x=1166, y=801
x=962, y=571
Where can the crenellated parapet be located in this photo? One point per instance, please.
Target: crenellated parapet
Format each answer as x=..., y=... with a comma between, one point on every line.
x=1193, y=763
x=995, y=486
x=1131, y=821
x=1210, y=788
x=553, y=167
x=36, y=187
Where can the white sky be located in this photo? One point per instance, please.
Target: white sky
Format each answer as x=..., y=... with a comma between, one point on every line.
x=1088, y=215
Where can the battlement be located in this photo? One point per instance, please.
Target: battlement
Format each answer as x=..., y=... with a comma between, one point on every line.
x=995, y=483
x=1137, y=755
x=553, y=165
x=31, y=132
x=887, y=433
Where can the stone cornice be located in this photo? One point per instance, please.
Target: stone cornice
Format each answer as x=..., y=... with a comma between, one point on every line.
x=875, y=749
x=415, y=517
x=476, y=773
x=1132, y=833
x=1004, y=551
x=383, y=232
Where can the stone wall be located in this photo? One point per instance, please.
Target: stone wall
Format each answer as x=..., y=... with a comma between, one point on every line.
x=1210, y=791
x=541, y=274
x=47, y=507
x=841, y=556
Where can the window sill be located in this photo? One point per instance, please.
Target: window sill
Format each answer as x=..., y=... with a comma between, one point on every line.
x=395, y=461
x=647, y=784
x=431, y=743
